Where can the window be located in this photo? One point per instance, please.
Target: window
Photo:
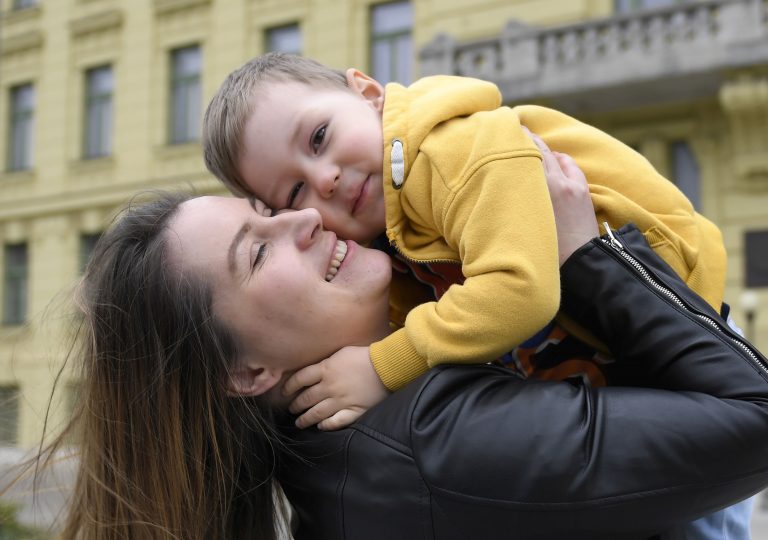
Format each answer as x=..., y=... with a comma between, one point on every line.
x=285, y=39
x=756, y=258
x=391, y=42
x=97, y=141
x=626, y=6
x=9, y=415
x=21, y=4
x=685, y=171
x=15, y=282
x=87, y=243
x=20, y=139
x=185, y=94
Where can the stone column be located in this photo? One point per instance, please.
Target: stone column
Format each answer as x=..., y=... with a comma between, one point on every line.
x=744, y=100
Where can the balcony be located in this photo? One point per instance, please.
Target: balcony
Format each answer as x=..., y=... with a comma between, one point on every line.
x=679, y=53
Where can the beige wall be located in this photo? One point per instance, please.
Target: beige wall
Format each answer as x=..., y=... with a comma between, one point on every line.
x=65, y=196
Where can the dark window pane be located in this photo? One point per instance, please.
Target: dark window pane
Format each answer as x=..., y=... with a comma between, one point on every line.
x=391, y=47
x=756, y=258
x=15, y=284
x=392, y=17
x=624, y=6
x=685, y=171
x=9, y=415
x=21, y=4
x=20, y=129
x=285, y=39
x=98, y=111
x=87, y=243
x=185, y=96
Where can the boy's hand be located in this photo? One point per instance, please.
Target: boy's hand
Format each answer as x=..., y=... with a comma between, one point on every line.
x=571, y=202
x=337, y=390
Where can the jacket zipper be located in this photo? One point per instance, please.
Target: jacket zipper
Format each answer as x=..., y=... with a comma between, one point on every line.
x=612, y=242
x=393, y=243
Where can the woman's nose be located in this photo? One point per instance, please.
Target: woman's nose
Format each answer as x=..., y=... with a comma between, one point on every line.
x=304, y=226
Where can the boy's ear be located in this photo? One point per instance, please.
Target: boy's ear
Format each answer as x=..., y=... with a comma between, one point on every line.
x=245, y=380
x=366, y=86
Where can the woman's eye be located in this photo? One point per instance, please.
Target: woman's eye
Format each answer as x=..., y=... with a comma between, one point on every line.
x=260, y=254
x=294, y=193
x=317, y=138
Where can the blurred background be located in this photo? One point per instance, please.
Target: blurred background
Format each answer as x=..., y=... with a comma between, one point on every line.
x=102, y=98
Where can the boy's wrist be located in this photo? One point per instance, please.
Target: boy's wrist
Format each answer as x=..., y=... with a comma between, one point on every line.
x=396, y=361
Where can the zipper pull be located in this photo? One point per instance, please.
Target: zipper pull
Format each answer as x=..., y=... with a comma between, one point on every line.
x=615, y=244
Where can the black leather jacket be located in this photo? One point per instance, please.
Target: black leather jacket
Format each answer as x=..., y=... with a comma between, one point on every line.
x=472, y=452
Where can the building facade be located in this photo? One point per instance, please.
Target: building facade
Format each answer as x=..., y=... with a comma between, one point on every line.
x=100, y=99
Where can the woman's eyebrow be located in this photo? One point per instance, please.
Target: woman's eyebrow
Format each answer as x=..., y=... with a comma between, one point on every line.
x=252, y=201
x=233, y=246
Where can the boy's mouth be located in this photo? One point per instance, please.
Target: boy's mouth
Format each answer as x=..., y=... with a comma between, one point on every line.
x=339, y=253
x=362, y=196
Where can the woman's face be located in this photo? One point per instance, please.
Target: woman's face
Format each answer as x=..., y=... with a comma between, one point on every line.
x=269, y=278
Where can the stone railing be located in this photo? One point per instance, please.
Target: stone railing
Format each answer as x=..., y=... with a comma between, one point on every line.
x=689, y=39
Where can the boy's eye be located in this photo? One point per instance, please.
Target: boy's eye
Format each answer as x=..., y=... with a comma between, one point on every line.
x=317, y=138
x=294, y=193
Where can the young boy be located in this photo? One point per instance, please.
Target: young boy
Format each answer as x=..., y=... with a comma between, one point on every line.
x=457, y=184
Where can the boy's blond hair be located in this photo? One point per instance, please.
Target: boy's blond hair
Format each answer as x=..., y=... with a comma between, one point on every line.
x=235, y=100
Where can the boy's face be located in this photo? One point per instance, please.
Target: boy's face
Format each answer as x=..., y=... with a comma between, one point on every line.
x=320, y=147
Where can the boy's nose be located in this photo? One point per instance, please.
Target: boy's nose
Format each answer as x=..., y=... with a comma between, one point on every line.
x=325, y=181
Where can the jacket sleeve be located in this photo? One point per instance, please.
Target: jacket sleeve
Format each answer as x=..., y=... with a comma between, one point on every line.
x=490, y=205
x=626, y=188
x=566, y=460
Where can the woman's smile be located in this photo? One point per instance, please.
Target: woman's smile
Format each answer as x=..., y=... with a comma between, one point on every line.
x=311, y=294
x=339, y=253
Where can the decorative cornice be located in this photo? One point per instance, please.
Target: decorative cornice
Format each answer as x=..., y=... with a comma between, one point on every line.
x=163, y=7
x=651, y=56
x=13, y=16
x=116, y=195
x=21, y=42
x=99, y=22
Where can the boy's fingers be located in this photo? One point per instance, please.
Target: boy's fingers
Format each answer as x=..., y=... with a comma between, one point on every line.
x=565, y=161
x=551, y=164
x=341, y=419
x=310, y=397
x=318, y=413
x=538, y=141
x=307, y=376
x=571, y=169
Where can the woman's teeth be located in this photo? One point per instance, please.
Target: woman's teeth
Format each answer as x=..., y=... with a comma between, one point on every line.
x=338, y=257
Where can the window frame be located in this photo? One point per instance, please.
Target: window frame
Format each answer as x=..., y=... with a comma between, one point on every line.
x=98, y=103
x=86, y=244
x=755, y=269
x=274, y=30
x=681, y=150
x=23, y=4
x=633, y=6
x=20, y=157
x=9, y=393
x=186, y=84
x=15, y=285
x=391, y=39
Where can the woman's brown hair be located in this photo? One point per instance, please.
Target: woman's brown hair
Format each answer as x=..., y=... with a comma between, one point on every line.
x=164, y=451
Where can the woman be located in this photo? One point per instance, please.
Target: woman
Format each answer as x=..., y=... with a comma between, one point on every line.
x=196, y=311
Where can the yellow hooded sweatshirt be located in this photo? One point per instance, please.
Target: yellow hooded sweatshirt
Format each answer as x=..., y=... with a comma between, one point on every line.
x=464, y=183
